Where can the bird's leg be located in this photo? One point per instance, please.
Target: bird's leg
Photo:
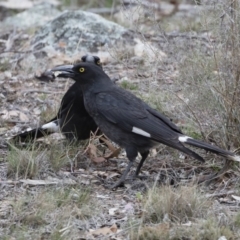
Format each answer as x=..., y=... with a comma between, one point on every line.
x=122, y=179
x=131, y=154
x=144, y=156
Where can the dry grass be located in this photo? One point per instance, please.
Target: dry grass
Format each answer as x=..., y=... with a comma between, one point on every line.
x=182, y=213
x=178, y=205
x=26, y=163
x=215, y=76
x=49, y=212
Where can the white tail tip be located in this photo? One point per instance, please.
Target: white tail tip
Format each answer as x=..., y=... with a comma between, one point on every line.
x=235, y=158
x=183, y=139
x=51, y=126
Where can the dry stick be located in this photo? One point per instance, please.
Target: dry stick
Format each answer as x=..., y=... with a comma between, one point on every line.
x=218, y=70
x=224, y=104
x=14, y=51
x=219, y=194
x=234, y=50
x=196, y=119
x=40, y=91
x=72, y=160
x=208, y=179
x=100, y=11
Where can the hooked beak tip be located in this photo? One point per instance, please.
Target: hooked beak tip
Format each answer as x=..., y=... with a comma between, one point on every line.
x=64, y=71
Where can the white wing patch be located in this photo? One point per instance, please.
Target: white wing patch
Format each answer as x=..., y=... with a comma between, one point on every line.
x=183, y=139
x=52, y=126
x=140, y=132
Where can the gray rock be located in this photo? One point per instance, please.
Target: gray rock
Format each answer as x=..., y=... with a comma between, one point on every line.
x=75, y=31
x=36, y=16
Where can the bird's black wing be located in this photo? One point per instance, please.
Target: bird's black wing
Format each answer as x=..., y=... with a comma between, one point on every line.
x=131, y=114
x=67, y=101
x=163, y=118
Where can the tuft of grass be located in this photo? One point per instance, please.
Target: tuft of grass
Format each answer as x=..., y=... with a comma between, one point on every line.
x=25, y=163
x=180, y=213
x=211, y=229
x=65, y=153
x=210, y=76
x=33, y=220
x=37, y=159
x=179, y=205
x=57, y=208
x=156, y=232
x=58, y=157
x=4, y=65
x=236, y=221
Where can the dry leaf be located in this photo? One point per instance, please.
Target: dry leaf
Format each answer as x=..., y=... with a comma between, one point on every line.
x=113, y=154
x=92, y=151
x=114, y=228
x=102, y=196
x=112, y=211
x=111, y=175
x=108, y=143
x=236, y=197
x=105, y=174
x=37, y=182
x=8, y=115
x=187, y=224
x=62, y=44
x=98, y=159
x=163, y=227
x=105, y=230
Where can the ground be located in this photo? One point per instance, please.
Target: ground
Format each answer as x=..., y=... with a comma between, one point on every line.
x=189, y=71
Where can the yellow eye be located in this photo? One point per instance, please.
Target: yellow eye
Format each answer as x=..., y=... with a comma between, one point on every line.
x=98, y=62
x=81, y=70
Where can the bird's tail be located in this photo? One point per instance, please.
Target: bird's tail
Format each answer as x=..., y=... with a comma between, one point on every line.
x=36, y=133
x=214, y=149
x=30, y=135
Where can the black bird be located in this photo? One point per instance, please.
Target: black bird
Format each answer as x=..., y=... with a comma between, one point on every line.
x=72, y=118
x=127, y=120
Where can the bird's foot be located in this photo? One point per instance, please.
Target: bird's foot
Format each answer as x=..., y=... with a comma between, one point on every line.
x=119, y=183
x=141, y=177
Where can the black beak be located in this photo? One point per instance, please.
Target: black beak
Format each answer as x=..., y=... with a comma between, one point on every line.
x=64, y=71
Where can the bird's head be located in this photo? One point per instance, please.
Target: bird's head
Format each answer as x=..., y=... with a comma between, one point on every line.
x=84, y=59
x=83, y=72
x=48, y=75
